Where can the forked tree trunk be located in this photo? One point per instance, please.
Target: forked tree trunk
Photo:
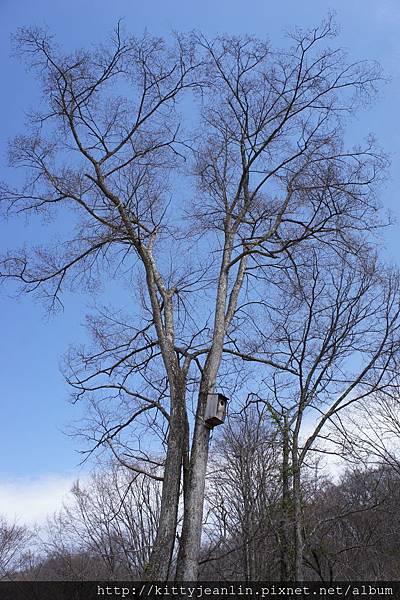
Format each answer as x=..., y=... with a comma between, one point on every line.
x=189, y=547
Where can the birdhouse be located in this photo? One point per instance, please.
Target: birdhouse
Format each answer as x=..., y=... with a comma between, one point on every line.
x=215, y=409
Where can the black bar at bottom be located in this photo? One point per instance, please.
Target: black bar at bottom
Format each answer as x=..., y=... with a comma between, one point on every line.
x=112, y=590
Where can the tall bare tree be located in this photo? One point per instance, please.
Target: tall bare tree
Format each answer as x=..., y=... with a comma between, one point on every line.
x=272, y=173
x=103, y=147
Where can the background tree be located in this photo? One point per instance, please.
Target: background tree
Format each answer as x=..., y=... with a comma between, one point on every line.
x=335, y=331
x=242, y=501
x=354, y=527
x=108, y=527
x=370, y=432
x=14, y=545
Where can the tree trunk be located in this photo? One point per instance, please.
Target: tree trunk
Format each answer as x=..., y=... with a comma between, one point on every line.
x=161, y=557
x=189, y=547
x=297, y=517
x=285, y=545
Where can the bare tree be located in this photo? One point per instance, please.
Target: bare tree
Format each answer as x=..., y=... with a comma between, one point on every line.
x=335, y=332
x=103, y=147
x=111, y=521
x=14, y=543
x=353, y=527
x=272, y=173
x=370, y=432
x=242, y=501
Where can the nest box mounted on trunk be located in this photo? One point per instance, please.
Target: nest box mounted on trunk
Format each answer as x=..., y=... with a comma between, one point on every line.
x=215, y=409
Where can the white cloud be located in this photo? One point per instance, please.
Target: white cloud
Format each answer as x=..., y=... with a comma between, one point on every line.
x=32, y=500
x=331, y=464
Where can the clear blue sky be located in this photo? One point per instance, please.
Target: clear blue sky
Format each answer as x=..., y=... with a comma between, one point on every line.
x=33, y=407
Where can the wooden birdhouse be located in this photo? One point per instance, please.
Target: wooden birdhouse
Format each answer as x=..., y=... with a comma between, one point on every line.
x=215, y=409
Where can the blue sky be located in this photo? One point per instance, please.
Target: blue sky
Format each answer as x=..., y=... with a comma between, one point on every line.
x=33, y=395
